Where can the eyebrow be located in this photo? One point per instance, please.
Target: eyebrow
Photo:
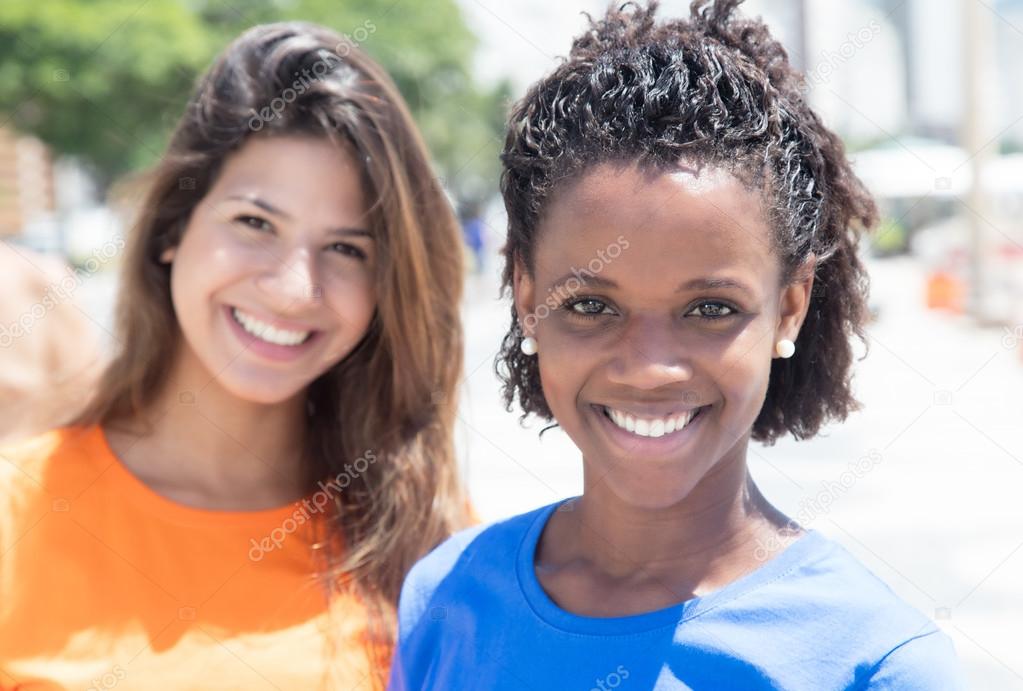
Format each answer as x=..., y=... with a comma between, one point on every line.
x=271, y=209
x=709, y=283
x=588, y=279
x=261, y=203
x=361, y=232
x=702, y=283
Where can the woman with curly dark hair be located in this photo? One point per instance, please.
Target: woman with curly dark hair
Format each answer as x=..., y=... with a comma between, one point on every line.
x=682, y=253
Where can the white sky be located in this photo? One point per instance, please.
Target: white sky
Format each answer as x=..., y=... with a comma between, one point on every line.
x=863, y=95
x=522, y=39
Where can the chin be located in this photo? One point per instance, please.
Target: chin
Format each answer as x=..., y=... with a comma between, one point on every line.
x=260, y=392
x=641, y=484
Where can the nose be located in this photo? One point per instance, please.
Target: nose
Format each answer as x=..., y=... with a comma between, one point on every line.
x=650, y=355
x=292, y=281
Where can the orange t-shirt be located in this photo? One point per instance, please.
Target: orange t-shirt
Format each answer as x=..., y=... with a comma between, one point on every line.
x=105, y=583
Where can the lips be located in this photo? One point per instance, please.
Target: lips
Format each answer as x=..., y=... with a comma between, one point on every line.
x=268, y=332
x=280, y=345
x=651, y=426
x=652, y=441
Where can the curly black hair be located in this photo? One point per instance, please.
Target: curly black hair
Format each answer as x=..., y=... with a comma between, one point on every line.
x=717, y=89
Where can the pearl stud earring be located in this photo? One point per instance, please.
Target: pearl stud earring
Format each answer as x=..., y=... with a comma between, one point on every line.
x=528, y=345
x=785, y=348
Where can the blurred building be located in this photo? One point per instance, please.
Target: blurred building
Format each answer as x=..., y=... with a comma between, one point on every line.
x=26, y=181
x=49, y=351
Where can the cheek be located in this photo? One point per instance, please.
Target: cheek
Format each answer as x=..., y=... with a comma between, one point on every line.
x=207, y=258
x=564, y=361
x=191, y=276
x=741, y=372
x=351, y=298
x=208, y=261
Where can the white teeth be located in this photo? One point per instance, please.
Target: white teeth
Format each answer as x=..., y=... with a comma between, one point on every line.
x=656, y=427
x=268, y=333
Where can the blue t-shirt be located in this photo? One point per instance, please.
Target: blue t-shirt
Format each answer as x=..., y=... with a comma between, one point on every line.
x=473, y=615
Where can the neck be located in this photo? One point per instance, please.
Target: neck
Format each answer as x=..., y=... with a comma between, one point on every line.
x=706, y=540
x=202, y=445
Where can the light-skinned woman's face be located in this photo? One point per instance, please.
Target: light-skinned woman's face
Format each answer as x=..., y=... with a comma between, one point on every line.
x=272, y=282
x=656, y=301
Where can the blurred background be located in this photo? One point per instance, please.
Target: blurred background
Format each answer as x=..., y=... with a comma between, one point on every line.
x=926, y=94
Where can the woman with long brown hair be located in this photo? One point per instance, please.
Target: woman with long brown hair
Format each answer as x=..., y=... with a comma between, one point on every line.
x=270, y=447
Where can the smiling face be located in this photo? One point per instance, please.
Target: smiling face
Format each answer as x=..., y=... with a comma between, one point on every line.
x=666, y=301
x=272, y=282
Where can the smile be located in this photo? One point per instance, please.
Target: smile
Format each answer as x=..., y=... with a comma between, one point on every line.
x=268, y=333
x=651, y=426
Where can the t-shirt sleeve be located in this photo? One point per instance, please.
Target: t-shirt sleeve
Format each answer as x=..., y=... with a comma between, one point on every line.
x=411, y=655
x=415, y=594
x=924, y=663
x=410, y=609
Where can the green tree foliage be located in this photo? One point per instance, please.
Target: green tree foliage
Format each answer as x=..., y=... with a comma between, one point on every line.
x=105, y=80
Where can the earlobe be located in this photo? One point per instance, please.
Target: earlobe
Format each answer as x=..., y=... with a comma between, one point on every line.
x=167, y=256
x=795, y=303
x=522, y=292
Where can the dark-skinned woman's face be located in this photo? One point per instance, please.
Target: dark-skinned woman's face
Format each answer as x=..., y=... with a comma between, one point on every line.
x=656, y=300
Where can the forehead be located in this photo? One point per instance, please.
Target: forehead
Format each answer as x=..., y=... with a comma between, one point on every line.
x=681, y=223
x=302, y=175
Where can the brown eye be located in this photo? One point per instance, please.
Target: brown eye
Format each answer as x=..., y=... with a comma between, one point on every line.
x=255, y=222
x=349, y=250
x=589, y=307
x=711, y=310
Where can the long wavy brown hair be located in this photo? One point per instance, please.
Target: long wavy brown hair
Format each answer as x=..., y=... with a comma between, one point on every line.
x=395, y=394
